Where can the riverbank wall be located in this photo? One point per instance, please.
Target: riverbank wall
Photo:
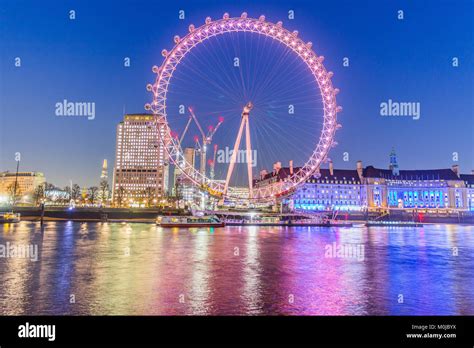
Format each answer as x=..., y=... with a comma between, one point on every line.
x=150, y=214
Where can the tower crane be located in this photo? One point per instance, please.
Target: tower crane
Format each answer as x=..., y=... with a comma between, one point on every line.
x=206, y=139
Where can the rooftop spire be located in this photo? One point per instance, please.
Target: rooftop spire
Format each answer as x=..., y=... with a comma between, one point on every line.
x=104, y=174
x=393, y=163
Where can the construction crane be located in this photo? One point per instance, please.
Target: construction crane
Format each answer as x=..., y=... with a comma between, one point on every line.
x=197, y=144
x=179, y=139
x=206, y=139
x=185, y=129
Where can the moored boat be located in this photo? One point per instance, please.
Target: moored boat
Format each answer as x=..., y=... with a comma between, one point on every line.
x=9, y=217
x=393, y=224
x=256, y=221
x=189, y=221
x=320, y=223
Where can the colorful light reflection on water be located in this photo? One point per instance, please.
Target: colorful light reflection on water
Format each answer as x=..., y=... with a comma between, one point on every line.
x=133, y=269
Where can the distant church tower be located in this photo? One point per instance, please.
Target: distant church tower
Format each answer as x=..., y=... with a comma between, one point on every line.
x=393, y=163
x=104, y=175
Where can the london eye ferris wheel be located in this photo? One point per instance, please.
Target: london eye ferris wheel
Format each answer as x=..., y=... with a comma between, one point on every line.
x=245, y=96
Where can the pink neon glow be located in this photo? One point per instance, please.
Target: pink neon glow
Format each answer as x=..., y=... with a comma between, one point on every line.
x=276, y=31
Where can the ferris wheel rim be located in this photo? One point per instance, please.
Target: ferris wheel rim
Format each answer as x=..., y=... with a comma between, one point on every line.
x=276, y=32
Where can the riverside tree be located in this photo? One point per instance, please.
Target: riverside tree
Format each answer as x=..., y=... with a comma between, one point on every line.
x=92, y=194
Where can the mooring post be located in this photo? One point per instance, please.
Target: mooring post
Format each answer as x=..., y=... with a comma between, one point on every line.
x=42, y=213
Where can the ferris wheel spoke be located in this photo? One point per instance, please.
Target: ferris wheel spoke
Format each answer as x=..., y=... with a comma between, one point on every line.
x=220, y=87
x=241, y=79
x=275, y=69
x=289, y=82
x=285, y=62
x=225, y=69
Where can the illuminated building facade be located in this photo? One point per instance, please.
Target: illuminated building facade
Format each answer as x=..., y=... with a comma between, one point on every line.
x=26, y=183
x=414, y=189
x=375, y=189
x=330, y=189
x=56, y=196
x=140, y=176
x=469, y=183
x=441, y=188
x=186, y=189
x=333, y=189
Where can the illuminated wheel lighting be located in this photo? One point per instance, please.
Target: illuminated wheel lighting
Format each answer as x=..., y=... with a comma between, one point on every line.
x=303, y=50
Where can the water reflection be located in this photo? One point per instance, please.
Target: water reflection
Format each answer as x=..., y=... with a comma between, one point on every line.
x=111, y=268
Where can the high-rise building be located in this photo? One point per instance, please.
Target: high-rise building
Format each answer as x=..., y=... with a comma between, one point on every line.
x=104, y=189
x=183, y=184
x=104, y=175
x=140, y=175
x=190, y=156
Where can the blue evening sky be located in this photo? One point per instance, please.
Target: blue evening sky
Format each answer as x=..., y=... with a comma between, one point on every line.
x=407, y=60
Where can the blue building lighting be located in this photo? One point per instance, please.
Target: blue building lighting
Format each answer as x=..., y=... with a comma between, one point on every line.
x=372, y=188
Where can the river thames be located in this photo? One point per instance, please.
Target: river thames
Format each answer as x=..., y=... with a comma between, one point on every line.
x=141, y=269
